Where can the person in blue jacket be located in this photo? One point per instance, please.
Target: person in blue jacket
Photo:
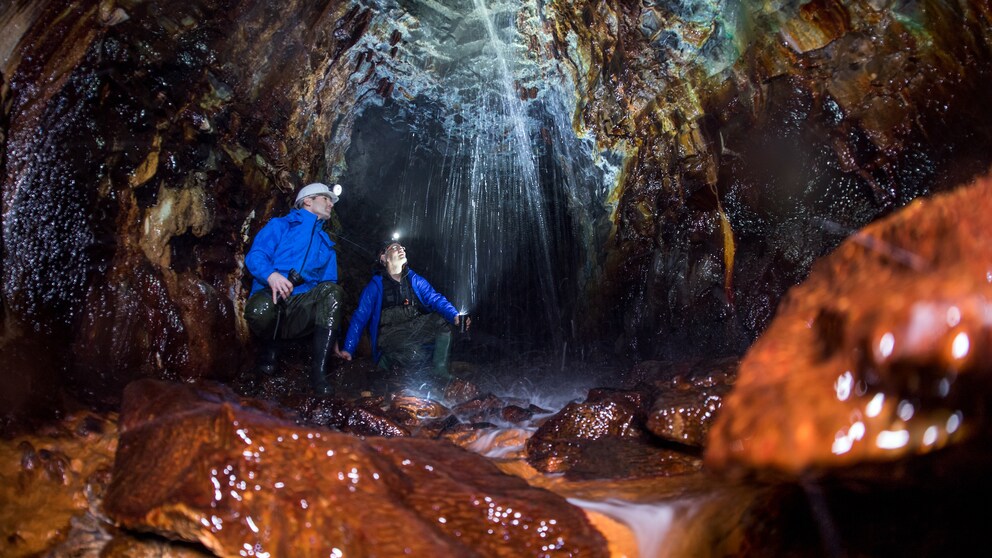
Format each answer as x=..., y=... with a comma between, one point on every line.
x=403, y=314
x=294, y=291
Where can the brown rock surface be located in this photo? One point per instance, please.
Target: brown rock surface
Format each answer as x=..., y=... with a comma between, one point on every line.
x=884, y=352
x=51, y=480
x=196, y=464
x=604, y=437
x=772, y=119
x=688, y=403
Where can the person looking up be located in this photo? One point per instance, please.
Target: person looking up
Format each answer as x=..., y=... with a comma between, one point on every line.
x=403, y=314
x=294, y=290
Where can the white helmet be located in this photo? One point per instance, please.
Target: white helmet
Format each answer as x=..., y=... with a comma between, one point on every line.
x=318, y=189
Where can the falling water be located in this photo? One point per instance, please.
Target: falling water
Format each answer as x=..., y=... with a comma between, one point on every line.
x=490, y=209
x=500, y=206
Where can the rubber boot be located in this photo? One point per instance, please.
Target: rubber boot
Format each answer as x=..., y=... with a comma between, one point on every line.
x=323, y=360
x=268, y=354
x=442, y=352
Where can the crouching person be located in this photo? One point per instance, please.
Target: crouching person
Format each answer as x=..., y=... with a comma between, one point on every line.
x=294, y=290
x=404, y=315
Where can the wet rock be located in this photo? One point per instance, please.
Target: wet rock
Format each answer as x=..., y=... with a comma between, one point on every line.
x=411, y=410
x=51, y=486
x=881, y=354
x=498, y=443
x=480, y=409
x=126, y=546
x=459, y=391
x=516, y=414
x=685, y=416
x=596, y=438
x=810, y=112
x=816, y=25
x=556, y=446
x=688, y=402
x=210, y=470
x=347, y=417
x=434, y=428
x=372, y=402
x=628, y=458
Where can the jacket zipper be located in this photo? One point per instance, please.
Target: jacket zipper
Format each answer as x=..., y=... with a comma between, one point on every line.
x=309, y=244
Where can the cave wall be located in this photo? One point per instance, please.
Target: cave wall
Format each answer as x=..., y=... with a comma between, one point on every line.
x=144, y=143
x=756, y=136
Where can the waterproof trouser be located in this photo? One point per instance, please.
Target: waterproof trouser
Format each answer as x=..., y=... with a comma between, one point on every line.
x=297, y=316
x=405, y=336
x=316, y=312
x=323, y=361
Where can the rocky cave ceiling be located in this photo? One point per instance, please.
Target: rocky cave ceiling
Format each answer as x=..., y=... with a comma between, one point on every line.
x=648, y=177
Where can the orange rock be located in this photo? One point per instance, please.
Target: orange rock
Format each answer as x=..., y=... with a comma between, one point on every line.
x=197, y=464
x=883, y=352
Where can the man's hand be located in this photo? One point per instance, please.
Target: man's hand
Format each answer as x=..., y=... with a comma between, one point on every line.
x=341, y=354
x=468, y=321
x=281, y=287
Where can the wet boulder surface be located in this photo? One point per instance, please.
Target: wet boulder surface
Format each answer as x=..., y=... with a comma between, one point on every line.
x=198, y=464
x=197, y=470
x=51, y=485
x=606, y=437
x=866, y=400
x=689, y=396
x=883, y=353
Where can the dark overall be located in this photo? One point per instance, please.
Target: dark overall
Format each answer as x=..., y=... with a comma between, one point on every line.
x=407, y=331
x=296, y=317
x=316, y=312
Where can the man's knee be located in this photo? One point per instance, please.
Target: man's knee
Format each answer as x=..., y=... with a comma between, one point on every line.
x=260, y=313
x=441, y=325
x=327, y=303
x=329, y=290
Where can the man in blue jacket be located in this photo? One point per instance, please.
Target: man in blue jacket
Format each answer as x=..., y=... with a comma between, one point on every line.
x=294, y=291
x=403, y=314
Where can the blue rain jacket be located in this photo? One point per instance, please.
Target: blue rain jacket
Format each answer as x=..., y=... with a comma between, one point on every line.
x=370, y=310
x=282, y=244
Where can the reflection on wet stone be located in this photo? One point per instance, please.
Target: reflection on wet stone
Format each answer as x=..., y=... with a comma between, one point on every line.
x=199, y=466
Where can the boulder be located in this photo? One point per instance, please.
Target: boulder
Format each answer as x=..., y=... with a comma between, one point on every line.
x=882, y=353
x=196, y=463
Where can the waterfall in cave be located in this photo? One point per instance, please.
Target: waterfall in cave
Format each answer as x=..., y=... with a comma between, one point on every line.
x=497, y=204
x=494, y=184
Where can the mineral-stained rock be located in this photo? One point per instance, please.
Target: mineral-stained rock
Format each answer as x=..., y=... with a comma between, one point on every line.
x=688, y=403
x=685, y=416
x=481, y=408
x=774, y=120
x=411, y=410
x=51, y=482
x=554, y=447
x=591, y=439
x=516, y=414
x=884, y=352
x=460, y=391
x=197, y=465
x=629, y=458
x=356, y=419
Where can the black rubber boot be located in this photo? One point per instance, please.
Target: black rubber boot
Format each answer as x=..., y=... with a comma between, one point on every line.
x=323, y=360
x=265, y=363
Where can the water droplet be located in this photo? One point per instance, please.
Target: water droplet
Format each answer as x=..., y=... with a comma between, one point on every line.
x=960, y=346
x=886, y=345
